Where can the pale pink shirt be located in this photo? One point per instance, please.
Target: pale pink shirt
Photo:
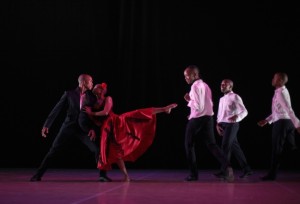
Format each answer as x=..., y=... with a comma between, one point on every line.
x=201, y=100
x=282, y=108
x=82, y=98
x=229, y=105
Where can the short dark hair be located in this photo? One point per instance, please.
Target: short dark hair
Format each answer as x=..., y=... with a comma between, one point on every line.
x=283, y=76
x=195, y=69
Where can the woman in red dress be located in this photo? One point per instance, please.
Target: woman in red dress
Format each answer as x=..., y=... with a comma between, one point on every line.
x=124, y=137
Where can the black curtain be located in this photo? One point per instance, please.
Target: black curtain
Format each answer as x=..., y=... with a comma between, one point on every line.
x=140, y=48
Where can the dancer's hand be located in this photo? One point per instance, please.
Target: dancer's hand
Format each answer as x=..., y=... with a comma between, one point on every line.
x=92, y=135
x=88, y=110
x=262, y=123
x=187, y=97
x=220, y=130
x=44, y=132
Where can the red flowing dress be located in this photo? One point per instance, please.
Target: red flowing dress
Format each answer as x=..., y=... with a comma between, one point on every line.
x=126, y=136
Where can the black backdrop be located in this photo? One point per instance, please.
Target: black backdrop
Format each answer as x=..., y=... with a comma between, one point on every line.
x=140, y=48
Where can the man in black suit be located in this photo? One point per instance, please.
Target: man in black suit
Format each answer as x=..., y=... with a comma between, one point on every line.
x=76, y=124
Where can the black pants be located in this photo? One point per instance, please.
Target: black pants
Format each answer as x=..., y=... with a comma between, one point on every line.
x=202, y=128
x=231, y=145
x=283, y=133
x=66, y=133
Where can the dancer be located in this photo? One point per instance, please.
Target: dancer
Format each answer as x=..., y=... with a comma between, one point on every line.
x=201, y=125
x=124, y=137
x=76, y=124
x=284, y=123
x=231, y=112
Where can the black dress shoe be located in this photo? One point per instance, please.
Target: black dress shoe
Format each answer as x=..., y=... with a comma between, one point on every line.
x=35, y=178
x=246, y=174
x=268, y=178
x=229, y=176
x=191, y=178
x=104, y=179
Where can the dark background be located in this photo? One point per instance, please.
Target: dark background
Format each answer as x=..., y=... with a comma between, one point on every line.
x=140, y=48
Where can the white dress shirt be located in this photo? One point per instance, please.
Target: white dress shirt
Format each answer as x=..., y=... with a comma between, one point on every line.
x=82, y=98
x=200, y=100
x=282, y=108
x=229, y=105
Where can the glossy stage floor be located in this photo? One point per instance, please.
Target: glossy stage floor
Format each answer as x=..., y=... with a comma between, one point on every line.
x=147, y=186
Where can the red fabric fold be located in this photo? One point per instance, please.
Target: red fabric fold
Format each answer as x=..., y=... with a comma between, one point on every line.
x=126, y=136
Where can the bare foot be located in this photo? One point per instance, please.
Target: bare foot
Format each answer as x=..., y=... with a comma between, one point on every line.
x=127, y=179
x=170, y=107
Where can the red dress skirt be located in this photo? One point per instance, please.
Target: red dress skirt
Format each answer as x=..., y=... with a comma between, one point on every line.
x=126, y=136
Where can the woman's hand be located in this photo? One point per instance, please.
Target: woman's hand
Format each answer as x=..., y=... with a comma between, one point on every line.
x=88, y=110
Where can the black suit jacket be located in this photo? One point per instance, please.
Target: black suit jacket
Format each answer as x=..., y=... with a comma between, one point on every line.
x=71, y=101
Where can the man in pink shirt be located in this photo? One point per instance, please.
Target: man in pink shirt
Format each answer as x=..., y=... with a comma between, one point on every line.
x=284, y=123
x=231, y=112
x=201, y=124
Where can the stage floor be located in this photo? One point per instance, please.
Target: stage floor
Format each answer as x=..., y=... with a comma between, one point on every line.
x=147, y=186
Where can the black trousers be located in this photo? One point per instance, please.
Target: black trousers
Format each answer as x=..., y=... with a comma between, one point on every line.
x=202, y=128
x=231, y=145
x=66, y=133
x=283, y=133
